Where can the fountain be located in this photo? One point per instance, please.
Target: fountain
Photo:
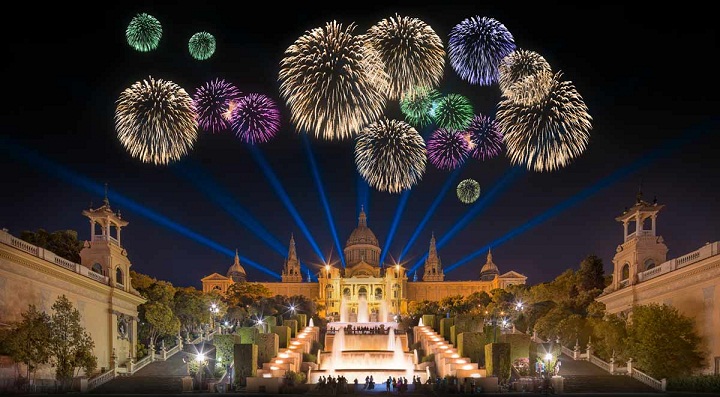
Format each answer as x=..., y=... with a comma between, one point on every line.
x=356, y=349
x=363, y=313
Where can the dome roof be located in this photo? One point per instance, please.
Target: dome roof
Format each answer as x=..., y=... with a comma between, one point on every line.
x=489, y=270
x=236, y=271
x=362, y=234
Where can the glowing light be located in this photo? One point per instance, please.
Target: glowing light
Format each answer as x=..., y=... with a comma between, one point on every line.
x=452, y=111
x=390, y=155
x=468, y=191
x=475, y=48
x=486, y=140
x=417, y=104
x=201, y=45
x=447, y=149
x=213, y=103
x=333, y=82
x=525, y=77
x=412, y=52
x=200, y=357
x=255, y=118
x=550, y=134
x=468, y=366
x=144, y=32
x=155, y=121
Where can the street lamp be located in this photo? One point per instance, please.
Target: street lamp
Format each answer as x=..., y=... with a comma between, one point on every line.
x=214, y=310
x=200, y=359
x=548, y=360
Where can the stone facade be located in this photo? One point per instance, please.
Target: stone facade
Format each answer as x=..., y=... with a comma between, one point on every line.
x=386, y=289
x=98, y=287
x=642, y=275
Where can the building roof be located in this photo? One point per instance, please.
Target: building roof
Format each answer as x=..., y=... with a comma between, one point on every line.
x=362, y=234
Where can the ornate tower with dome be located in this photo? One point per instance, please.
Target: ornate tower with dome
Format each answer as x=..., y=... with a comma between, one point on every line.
x=385, y=288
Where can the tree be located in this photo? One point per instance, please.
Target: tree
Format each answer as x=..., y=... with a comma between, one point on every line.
x=26, y=341
x=190, y=308
x=159, y=321
x=663, y=342
x=63, y=243
x=71, y=346
x=246, y=293
x=591, y=274
x=609, y=336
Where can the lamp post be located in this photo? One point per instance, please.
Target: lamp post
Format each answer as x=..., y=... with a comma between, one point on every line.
x=214, y=310
x=548, y=360
x=200, y=358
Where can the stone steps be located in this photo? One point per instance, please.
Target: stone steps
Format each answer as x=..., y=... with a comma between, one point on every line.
x=604, y=383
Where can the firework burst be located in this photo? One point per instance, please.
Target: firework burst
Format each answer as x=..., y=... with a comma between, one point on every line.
x=452, y=111
x=201, y=45
x=412, y=52
x=255, y=118
x=390, y=155
x=333, y=82
x=475, y=48
x=144, y=32
x=156, y=121
x=548, y=135
x=417, y=104
x=468, y=190
x=485, y=137
x=525, y=77
x=213, y=103
x=447, y=149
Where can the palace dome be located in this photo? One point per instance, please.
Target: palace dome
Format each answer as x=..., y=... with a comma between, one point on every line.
x=362, y=234
x=489, y=271
x=236, y=272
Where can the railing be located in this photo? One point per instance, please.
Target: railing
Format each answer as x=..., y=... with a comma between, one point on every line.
x=100, y=237
x=41, y=253
x=704, y=252
x=600, y=363
x=101, y=379
x=648, y=380
x=174, y=350
x=142, y=363
x=567, y=351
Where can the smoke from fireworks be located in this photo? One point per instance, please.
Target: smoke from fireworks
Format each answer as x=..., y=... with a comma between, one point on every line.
x=201, y=45
x=390, y=155
x=475, y=48
x=213, y=101
x=485, y=137
x=417, y=103
x=452, y=111
x=468, y=190
x=333, y=82
x=144, y=32
x=255, y=118
x=412, y=52
x=548, y=135
x=156, y=121
x=447, y=149
x=525, y=77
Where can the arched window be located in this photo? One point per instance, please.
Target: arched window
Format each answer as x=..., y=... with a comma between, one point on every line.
x=119, y=276
x=378, y=293
x=625, y=274
x=362, y=292
x=346, y=292
x=97, y=268
x=649, y=264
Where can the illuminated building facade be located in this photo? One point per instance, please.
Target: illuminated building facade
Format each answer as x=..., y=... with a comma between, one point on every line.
x=386, y=289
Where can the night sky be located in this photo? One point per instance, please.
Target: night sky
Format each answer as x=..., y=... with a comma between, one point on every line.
x=648, y=77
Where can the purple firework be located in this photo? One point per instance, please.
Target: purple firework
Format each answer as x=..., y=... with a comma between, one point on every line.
x=475, y=48
x=485, y=138
x=213, y=102
x=447, y=149
x=255, y=118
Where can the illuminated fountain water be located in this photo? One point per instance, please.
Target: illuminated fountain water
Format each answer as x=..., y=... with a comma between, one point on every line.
x=361, y=348
x=363, y=312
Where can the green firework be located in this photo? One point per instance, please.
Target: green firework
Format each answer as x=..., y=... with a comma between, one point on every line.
x=417, y=104
x=453, y=111
x=144, y=32
x=468, y=191
x=201, y=45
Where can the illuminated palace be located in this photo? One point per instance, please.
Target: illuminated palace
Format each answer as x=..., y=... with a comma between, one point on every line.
x=386, y=289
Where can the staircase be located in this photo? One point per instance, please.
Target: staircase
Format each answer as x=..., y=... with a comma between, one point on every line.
x=136, y=384
x=581, y=376
x=604, y=384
